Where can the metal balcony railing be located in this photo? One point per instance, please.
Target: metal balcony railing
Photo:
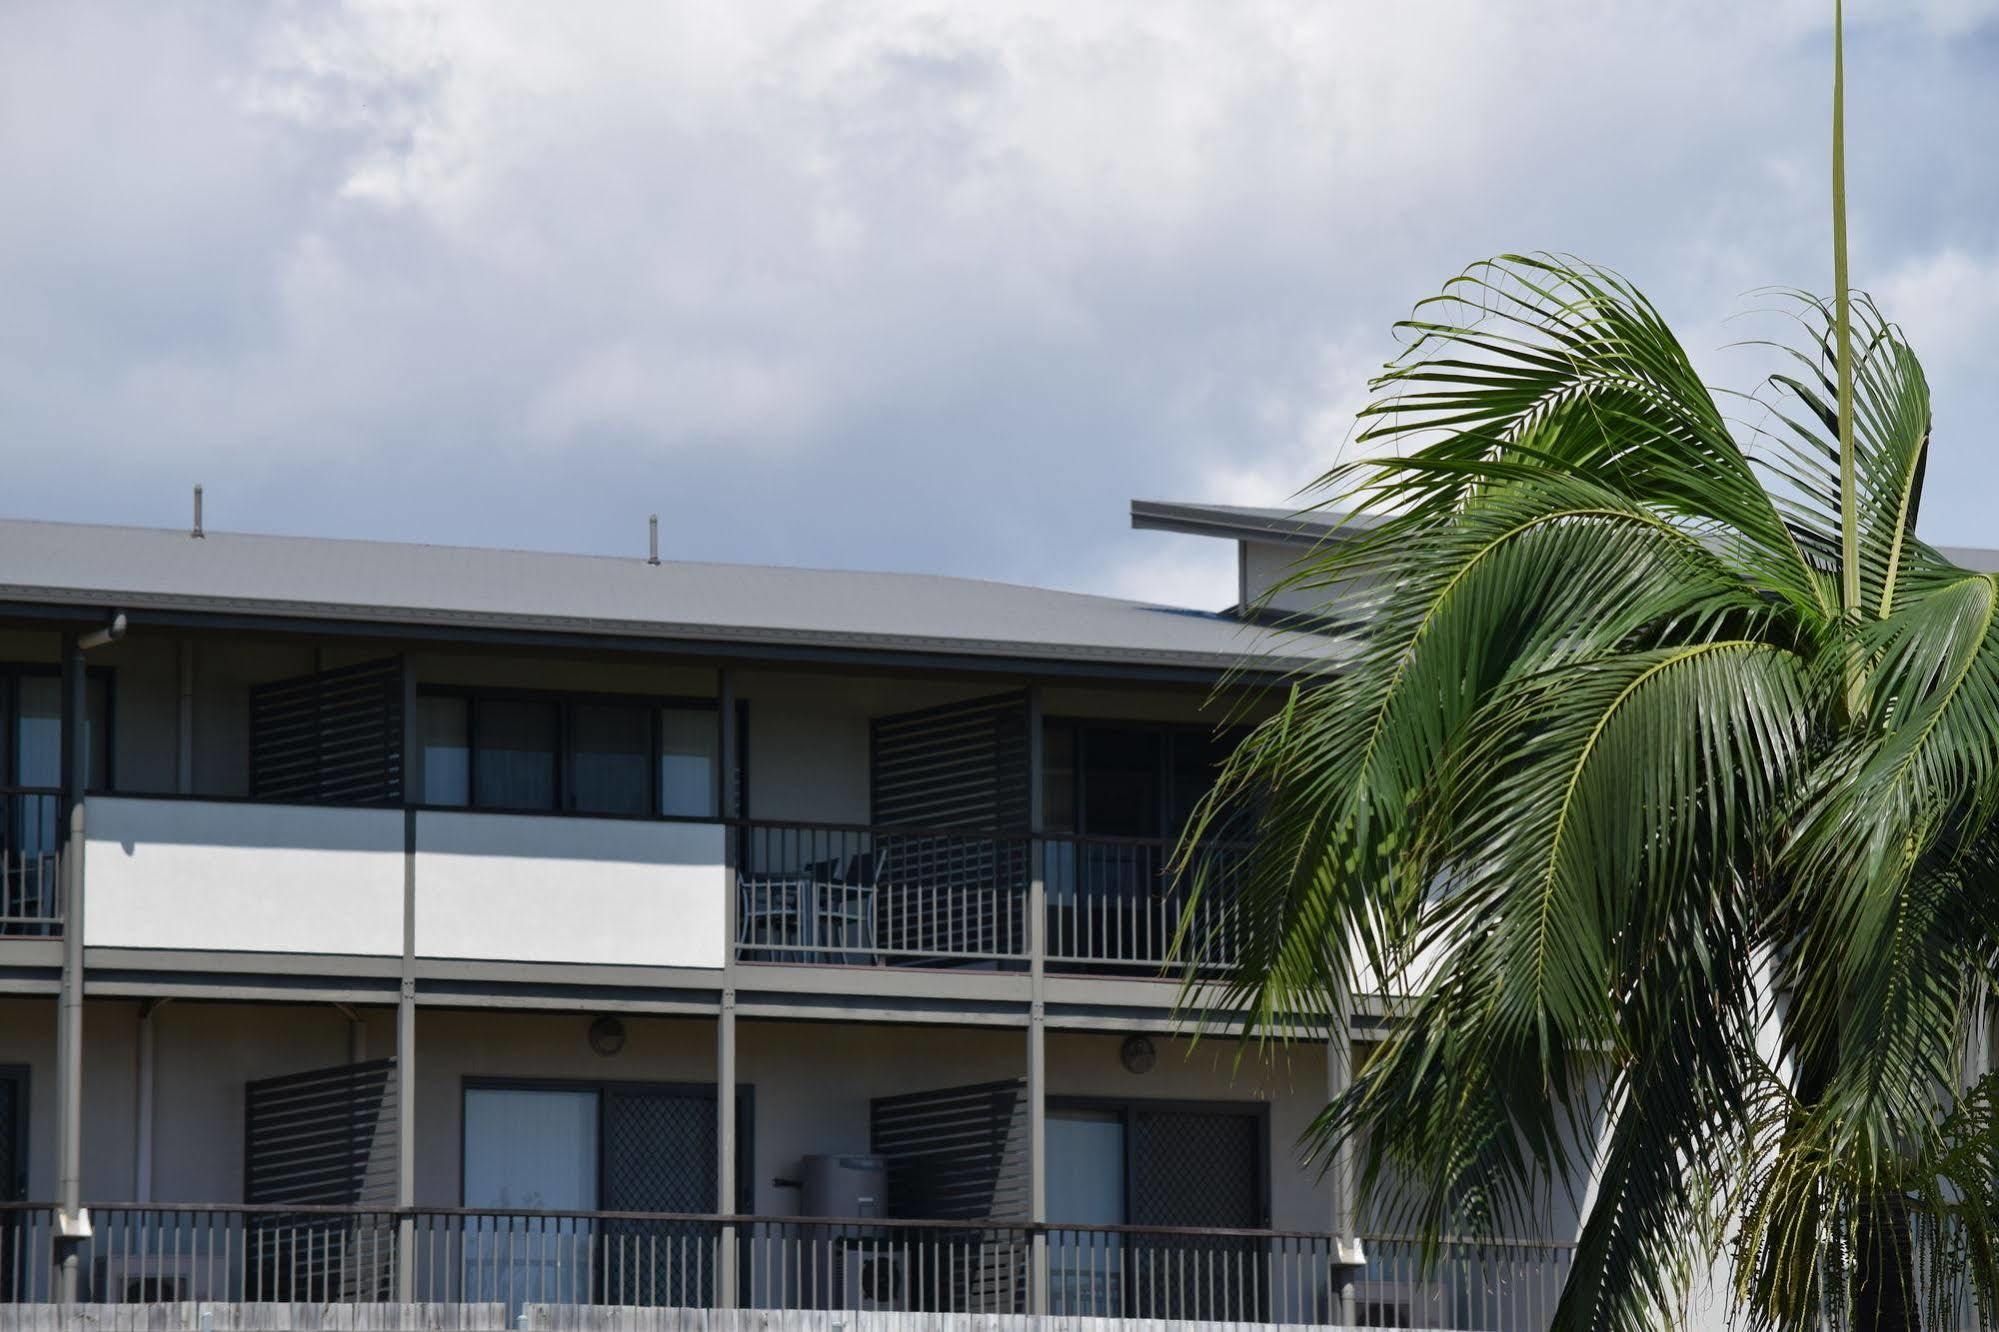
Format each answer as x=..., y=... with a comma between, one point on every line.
x=31, y=883
x=333, y=1255
x=854, y=895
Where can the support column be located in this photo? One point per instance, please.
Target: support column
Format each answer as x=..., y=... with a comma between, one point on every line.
x=73, y=1224
x=1037, y=1015
x=406, y=1076
x=1344, y=1220
x=148, y=1073
x=725, y=1017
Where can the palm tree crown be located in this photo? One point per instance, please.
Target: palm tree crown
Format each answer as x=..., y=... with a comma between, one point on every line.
x=1670, y=826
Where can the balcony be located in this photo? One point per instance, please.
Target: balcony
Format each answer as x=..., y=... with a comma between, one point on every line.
x=176, y=875
x=535, y=1263
x=854, y=895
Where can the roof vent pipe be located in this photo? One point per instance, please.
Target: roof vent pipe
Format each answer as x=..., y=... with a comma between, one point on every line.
x=652, y=531
x=197, y=533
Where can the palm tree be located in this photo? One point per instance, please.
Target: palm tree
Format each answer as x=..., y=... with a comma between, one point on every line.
x=1660, y=786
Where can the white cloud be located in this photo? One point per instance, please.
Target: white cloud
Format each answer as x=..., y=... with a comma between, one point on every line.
x=903, y=283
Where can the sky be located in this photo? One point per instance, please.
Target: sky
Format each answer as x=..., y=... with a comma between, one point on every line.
x=903, y=284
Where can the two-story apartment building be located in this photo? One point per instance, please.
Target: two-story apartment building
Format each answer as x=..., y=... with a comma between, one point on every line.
x=388, y=922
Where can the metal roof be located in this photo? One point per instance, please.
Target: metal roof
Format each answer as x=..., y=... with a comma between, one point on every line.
x=1306, y=527
x=135, y=570
x=1310, y=526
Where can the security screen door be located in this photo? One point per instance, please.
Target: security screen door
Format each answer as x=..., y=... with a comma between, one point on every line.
x=611, y=1147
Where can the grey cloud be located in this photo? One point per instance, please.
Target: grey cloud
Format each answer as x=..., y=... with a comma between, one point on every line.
x=903, y=285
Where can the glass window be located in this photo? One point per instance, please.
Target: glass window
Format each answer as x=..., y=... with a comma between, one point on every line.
x=530, y=1148
x=1197, y=760
x=447, y=756
x=608, y=747
x=1058, y=778
x=514, y=766
x=690, y=743
x=38, y=731
x=1121, y=782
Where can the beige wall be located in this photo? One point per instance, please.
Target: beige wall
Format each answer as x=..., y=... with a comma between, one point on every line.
x=811, y=1084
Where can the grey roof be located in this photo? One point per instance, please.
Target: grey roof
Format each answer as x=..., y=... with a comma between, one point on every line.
x=1299, y=527
x=1308, y=527
x=134, y=570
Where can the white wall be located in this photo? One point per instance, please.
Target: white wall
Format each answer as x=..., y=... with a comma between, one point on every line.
x=242, y=877
x=546, y=889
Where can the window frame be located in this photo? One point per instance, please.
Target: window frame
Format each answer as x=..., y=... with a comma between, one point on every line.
x=1125, y=1106
x=1161, y=733
x=11, y=675
x=599, y=1087
x=565, y=702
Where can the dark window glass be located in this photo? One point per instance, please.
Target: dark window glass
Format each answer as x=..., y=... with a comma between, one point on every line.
x=1121, y=782
x=1197, y=759
x=608, y=746
x=514, y=765
x=447, y=755
x=1058, y=778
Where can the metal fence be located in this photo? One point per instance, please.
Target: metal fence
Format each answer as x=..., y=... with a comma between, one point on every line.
x=153, y=1254
x=852, y=895
x=31, y=889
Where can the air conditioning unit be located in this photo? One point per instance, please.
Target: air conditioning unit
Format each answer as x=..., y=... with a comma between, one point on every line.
x=872, y=1279
x=1398, y=1304
x=139, y=1278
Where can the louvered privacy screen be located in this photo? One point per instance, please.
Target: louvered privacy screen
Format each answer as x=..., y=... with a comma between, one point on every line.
x=323, y=1137
x=960, y=1154
x=963, y=765
x=956, y=1154
x=333, y=737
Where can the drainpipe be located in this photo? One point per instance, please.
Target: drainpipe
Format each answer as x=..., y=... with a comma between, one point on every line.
x=1037, y=1017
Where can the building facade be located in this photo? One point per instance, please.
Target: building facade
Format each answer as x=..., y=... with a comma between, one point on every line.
x=406, y=923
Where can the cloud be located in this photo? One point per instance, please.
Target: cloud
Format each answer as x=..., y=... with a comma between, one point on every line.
x=903, y=284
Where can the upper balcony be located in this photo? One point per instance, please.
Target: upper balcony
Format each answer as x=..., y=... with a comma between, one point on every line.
x=482, y=815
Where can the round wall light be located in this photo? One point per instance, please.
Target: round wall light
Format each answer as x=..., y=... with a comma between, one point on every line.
x=1137, y=1054
x=607, y=1036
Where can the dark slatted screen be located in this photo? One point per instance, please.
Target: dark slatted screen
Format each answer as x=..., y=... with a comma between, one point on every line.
x=323, y=1137
x=332, y=736
x=963, y=765
x=328, y=1136
x=959, y=1153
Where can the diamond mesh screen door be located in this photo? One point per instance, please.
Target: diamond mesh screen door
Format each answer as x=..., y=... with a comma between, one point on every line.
x=1196, y=1168
x=659, y=1148
x=14, y=1254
